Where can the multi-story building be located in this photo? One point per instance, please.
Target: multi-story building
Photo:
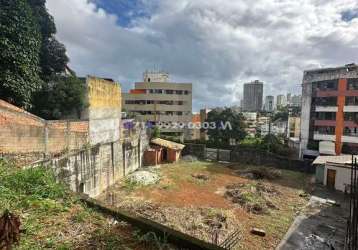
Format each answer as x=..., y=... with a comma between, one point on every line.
x=295, y=101
x=294, y=127
x=269, y=103
x=288, y=98
x=280, y=101
x=159, y=101
x=330, y=109
x=253, y=93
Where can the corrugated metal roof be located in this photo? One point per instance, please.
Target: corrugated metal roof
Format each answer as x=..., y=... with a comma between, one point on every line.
x=340, y=159
x=167, y=144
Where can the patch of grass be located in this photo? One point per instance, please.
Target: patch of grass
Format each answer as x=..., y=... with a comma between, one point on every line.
x=51, y=216
x=130, y=185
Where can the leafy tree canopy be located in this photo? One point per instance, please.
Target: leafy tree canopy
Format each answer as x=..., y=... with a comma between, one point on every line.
x=61, y=97
x=222, y=135
x=53, y=58
x=20, y=43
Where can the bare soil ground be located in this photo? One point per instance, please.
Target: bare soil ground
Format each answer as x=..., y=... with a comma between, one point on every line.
x=207, y=199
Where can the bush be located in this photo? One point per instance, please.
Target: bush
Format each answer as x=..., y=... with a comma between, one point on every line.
x=21, y=187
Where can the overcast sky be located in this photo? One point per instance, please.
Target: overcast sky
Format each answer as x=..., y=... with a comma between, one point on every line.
x=216, y=44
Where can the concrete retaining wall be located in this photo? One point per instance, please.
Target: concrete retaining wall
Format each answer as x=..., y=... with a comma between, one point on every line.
x=94, y=169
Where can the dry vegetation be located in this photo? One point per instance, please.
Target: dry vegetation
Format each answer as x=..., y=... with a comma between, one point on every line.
x=53, y=218
x=204, y=199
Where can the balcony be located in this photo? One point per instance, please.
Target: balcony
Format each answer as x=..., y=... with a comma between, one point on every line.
x=323, y=137
x=325, y=123
x=352, y=138
x=351, y=108
x=326, y=109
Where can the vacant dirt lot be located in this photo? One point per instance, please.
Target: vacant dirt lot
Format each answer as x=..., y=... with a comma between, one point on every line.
x=212, y=200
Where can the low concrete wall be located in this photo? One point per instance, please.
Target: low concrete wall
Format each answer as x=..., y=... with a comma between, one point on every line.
x=178, y=238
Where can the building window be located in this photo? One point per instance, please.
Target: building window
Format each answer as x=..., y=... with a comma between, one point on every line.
x=327, y=130
x=186, y=92
x=169, y=91
x=353, y=83
x=350, y=131
x=351, y=100
x=325, y=101
x=325, y=85
x=351, y=116
x=179, y=113
x=326, y=116
x=179, y=92
x=158, y=91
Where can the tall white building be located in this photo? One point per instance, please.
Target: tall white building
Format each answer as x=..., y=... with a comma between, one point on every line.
x=280, y=101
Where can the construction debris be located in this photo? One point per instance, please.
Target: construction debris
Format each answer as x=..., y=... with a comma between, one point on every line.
x=260, y=173
x=253, y=197
x=144, y=177
x=197, y=222
x=203, y=177
x=259, y=232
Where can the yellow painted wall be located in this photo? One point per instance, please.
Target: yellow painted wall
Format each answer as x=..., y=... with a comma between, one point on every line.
x=103, y=93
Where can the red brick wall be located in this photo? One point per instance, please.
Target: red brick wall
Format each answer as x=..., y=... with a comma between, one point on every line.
x=22, y=133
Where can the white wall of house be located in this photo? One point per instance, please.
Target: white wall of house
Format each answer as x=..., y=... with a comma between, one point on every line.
x=343, y=176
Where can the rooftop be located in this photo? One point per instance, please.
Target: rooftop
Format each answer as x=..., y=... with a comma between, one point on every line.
x=167, y=144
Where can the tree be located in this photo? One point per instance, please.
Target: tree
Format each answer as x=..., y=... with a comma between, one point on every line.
x=281, y=114
x=20, y=44
x=53, y=58
x=60, y=97
x=225, y=124
x=156, y=132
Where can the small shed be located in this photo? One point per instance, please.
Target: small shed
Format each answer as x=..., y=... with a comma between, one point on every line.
x=152, y=156
x=169, y=151
x=334, y=171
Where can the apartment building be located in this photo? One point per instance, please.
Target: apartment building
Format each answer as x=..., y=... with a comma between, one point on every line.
x=330, y=110
x=281, y=101
x=159, y=101
x=269, y=103
x=295, y=101
x=253, y=93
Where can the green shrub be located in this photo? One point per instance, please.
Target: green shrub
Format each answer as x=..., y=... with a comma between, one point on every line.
x=37, y=182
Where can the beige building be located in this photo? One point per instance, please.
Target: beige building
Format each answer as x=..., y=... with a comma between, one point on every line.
x=161, y=102
x=294, y=127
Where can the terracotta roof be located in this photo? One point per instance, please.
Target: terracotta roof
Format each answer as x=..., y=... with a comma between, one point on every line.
x=340, y=159
x=167, y=144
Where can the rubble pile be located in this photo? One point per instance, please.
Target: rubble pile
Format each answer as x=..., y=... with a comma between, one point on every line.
x=253, y=197
x=144, y=177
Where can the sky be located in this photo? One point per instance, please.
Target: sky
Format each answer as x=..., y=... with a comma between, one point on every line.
x=217, y=45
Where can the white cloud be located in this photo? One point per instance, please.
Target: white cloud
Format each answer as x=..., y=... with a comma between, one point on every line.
x=216, y=44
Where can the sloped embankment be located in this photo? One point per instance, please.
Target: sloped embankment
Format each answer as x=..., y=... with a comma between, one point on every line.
x=54, y=218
